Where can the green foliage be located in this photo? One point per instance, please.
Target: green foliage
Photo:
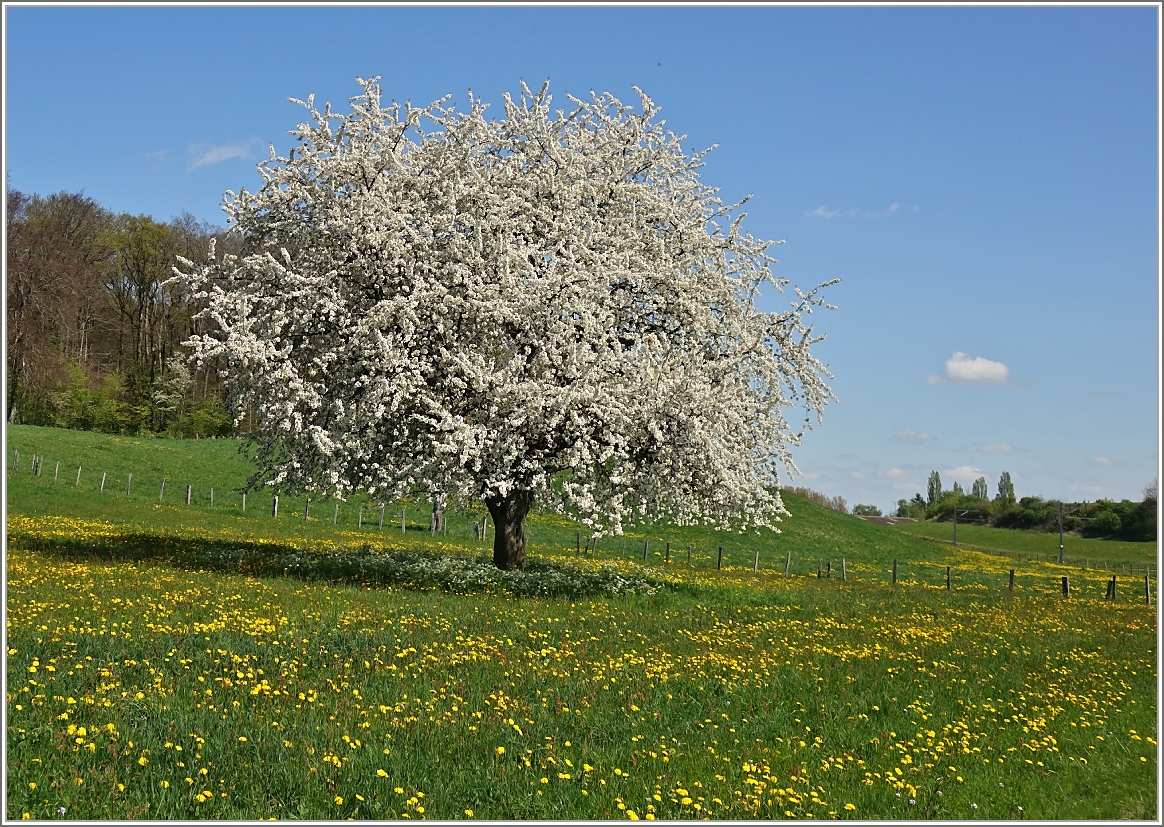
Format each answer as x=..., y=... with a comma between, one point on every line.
x=933, y=488
x=913, y=509
x=84, y=405
x=863, y=510
x=1029, y=514
x=1105, y=523
x=1005, y=496
x=980, y=510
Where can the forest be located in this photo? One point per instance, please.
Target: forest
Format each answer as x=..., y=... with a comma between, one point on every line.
x=95, y=326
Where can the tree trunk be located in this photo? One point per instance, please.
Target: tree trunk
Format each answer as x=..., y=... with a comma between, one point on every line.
x=437, y=522
x=508, y=515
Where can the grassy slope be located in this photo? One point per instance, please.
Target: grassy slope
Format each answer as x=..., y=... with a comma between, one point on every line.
x=813, y=536
x=808, y=534
x=1075, y=548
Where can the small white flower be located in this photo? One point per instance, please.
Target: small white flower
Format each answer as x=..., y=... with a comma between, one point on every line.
x=974, y=806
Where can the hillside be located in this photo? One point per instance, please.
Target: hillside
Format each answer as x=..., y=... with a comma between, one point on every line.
x=810, y=534
x=811, y=538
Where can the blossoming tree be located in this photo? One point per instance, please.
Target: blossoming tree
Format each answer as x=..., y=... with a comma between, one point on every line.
x=543, y=307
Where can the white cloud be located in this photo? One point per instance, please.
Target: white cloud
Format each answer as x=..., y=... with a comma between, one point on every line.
x=996, y=447
x=963, y=473
x=961, y=368
x=894, y=207
x=913, y=436
x=1103, y=461
x=856, y=475
x=822, y=212
x=202, y=155
x=895, y=473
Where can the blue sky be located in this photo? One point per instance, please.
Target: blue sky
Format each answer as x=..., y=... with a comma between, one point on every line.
x=984, y=180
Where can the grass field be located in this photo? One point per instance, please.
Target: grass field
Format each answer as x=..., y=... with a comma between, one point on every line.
x=1084, y=551
x=147, y=679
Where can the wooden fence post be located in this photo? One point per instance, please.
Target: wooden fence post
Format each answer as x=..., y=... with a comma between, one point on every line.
x=380, y=526
x=360, y=517
x=843, y=576
x=162, y=490
x=719, y=559
x=689, y=556
x=1010, y=587
x=275, y=505
x=1066, y=587
x=645, y=542
x=78, y=482
x=244, y=501
x=667, y=554
x=895, y=571
x=335, y=514
x=787, y=562
x=102, y=481
x=128, y=484
x=819, y=568
x=756, y=564
x=404, y=527
x=829, y=572
x=56, y=470
x=212, y=498
x=306, y=509
x=947, y=578
x=188, y=494
x=1147, y=590
x=578, y=542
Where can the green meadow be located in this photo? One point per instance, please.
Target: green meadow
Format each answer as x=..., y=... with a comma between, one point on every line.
x=1085, y=551
x=174, y=661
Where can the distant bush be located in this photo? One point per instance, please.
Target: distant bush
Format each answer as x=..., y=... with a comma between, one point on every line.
x=835, y=503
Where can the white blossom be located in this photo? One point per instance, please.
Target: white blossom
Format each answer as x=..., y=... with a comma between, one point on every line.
x=545, y=305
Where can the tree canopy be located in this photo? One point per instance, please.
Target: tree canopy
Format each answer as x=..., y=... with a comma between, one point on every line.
x=548, y=305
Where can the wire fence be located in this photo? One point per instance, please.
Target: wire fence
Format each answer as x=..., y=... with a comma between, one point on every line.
x=1117, y=578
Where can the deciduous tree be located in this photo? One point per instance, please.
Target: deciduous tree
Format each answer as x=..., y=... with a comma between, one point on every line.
x=1005, y=495
x=979, y=489
x=933, y=488
x=548, y=305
